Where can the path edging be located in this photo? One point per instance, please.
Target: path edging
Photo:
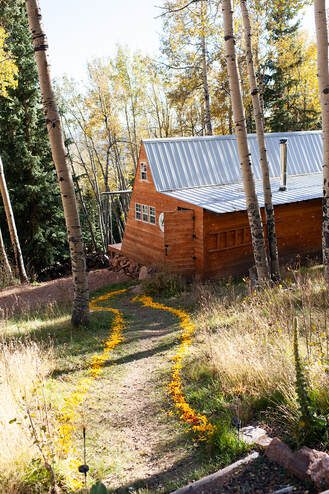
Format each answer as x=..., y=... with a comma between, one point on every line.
x=220, y=474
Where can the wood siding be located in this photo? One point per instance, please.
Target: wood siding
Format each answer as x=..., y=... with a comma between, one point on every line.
x=210, y=244
x=179, y=241
x=145, y=243
x=228, y=244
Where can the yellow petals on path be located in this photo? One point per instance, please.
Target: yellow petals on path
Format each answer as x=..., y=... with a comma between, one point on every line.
x=69, y=414
x=197, y=422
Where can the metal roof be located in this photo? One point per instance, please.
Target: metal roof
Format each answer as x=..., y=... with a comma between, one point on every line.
x=182, y=163
x=231, y=197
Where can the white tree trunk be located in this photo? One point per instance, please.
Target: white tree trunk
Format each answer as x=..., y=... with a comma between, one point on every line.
x=255, y=220
x=8, y=275
x=323, y=77
x=78, y=259
x=259, y=120
x=204, y=61
x=12, y=227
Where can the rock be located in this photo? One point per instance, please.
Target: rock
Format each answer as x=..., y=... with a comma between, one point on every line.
x=131, y=269
x=280, y=453
x=306, y=464
x=255, y=435
x=143, y=273
x=300, y=463
x=318, y=469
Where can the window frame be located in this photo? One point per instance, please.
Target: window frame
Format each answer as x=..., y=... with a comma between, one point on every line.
x=138, y=205
x=148, y=213
x=143, y=171
x=152, y=215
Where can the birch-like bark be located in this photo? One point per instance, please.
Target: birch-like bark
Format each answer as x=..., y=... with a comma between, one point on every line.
x=323, y=77
x=207, y=116
x=19, y=261
x=259, y=121
x=254, y=217
x=77, y=252
x=8, y=275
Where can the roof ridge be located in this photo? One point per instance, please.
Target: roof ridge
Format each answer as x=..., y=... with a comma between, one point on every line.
x=230, y=136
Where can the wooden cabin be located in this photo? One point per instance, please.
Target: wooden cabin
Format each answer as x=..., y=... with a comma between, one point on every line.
x=188, y=210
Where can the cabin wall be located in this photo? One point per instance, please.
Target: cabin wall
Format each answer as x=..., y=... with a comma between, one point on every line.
x=228, y=243
x=145, y=242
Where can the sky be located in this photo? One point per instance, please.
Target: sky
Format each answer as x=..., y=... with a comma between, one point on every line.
x=79, y=30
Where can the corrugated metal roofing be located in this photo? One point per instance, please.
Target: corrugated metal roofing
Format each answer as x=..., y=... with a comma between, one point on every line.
x=231, y=197
x=182, y=163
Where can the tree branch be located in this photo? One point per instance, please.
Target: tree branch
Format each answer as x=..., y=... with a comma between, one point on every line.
x=179, y=9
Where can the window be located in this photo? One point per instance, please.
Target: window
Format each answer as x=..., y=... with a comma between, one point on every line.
x=143, y=171
x=138, y=212
x=145, y=215
x=152, y=215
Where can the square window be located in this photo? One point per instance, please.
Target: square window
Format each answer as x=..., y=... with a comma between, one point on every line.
x=138, y=212
x=145, y=215
x=152, y=215
x=143, y=171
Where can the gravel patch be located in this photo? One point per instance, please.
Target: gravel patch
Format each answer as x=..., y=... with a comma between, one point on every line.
x=262, y=476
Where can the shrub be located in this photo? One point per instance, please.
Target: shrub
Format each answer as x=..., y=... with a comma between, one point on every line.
x=23, y=367
x=247, y=345
x=165, y=284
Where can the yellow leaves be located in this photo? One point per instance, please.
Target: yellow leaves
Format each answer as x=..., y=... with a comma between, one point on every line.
x=69, y=413
x=8, y=68
x=197, y=422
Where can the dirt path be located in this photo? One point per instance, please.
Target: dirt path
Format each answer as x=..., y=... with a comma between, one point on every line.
x=135, y=443
x=141, y=443
x=25, y=298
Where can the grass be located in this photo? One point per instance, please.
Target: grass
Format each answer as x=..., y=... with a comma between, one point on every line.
x=41, y=360
x=243, y=362
x=24, y=366
x=65, y=353
x=241, y=368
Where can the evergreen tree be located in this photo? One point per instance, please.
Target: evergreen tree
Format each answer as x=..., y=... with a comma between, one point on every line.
x=290, y=86
x=25, y=152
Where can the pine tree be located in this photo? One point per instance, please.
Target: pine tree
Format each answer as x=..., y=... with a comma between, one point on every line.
x=288, y=97
x=26, y=155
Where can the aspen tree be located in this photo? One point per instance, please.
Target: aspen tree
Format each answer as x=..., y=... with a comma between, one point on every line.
x=8, y=275
x=323, y=77
x=78, y=259
x=254, y=217
x=207, y=117
x=259, y=121
x=19, y=261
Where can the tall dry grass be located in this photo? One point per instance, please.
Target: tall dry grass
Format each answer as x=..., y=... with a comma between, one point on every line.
x=24, y=368
x=246, y=345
